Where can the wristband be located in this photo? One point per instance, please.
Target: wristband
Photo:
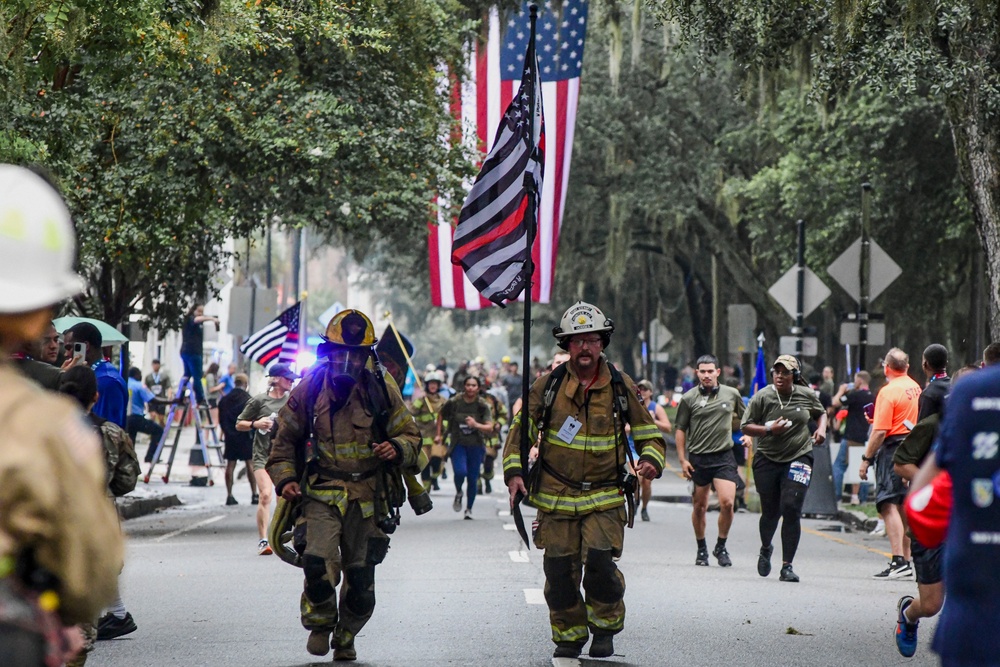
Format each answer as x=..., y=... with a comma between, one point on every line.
x=870, y=460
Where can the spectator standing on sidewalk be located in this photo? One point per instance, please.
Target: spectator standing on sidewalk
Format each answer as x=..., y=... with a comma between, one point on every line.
x=260, y=416
x=777, y=418
x=158, y=382
x=112, y=392
x=239, y=444
x=855, y=432
x=896, y=409
x=140, y=397
x=706, y=418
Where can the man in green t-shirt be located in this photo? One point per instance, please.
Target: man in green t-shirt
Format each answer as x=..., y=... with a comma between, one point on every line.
x=705, y=420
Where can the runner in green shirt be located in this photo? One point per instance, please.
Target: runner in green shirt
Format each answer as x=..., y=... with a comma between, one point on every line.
x=778, y=421
x=705, y=420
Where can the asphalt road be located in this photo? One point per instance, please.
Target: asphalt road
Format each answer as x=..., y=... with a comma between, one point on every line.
x=455, y=592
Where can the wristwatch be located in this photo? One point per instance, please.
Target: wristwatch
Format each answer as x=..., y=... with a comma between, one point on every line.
x=870, y=460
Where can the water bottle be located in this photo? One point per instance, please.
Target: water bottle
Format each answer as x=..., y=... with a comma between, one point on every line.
x=273, y=416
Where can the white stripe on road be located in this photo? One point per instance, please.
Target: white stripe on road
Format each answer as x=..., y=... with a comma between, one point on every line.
x=503, y=513
x=509, y=526
x=565, y=662
x=518, y=556
x=534, y=596
x=213, y=519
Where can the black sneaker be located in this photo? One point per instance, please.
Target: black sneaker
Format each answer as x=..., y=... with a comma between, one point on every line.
x=110, y=626
x=254, y=499
x=568, y=650
x=702, y=557
x=231, y=501
x=489, y=487
x=434, y=484
x=787, y=574
x=896, y=570
x=723, y=556
x=602, y=646
x=764, y=560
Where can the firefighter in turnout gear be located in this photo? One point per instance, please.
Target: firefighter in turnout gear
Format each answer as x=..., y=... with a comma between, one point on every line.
x=425, y=411
x=580, y=483
x=493, y=443
x=343, y=439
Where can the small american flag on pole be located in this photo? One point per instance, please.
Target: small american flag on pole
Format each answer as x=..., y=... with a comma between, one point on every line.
x=278, y=341
x=491, y=240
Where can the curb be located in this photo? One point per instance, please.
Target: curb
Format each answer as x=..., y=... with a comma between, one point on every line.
x=857, y=520
x=131, y=508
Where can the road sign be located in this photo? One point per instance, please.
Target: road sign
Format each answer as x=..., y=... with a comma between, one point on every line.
x=659, y=335
x=742, y=323
x=849, y=334
x=786, y=289
x=810, y=345
x=846, y=269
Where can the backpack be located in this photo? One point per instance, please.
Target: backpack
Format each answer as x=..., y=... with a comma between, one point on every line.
x=120, y=458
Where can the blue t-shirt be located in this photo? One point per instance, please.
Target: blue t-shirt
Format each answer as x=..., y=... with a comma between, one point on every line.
x=227, y=383
x=113, y=392
x=139, y=396
x=969, y=448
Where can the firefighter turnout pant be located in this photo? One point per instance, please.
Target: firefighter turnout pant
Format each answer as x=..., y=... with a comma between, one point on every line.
x=581, y=549
x=339, y=546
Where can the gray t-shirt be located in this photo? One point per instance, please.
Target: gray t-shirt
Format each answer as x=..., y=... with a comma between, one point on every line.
x=798, y=408
x=456, y=410
x=707, y=420
x=258, y=407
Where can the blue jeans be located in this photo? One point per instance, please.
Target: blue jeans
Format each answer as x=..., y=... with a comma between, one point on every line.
x=840, y=467
x=193, y=370
x=466, y=460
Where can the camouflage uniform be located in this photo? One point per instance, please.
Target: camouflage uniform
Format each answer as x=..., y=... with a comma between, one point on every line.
x=582, y=528
x=338, y=509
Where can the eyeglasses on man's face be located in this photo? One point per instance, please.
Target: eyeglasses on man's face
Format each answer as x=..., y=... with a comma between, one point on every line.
x=589, y=342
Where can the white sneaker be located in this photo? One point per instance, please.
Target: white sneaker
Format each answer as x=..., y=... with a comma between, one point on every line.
x=855, y=500
x=457, y=504
x=468, y=514
x=879, y=528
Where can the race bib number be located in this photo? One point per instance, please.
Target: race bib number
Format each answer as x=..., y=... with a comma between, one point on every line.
x=569, y=430
x=800, y=472
x=156, y=389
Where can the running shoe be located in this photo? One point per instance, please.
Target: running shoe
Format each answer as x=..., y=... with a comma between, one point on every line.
x=702, y=557
x=263, y=548
x=110, y=626
x=906, y=632
x=722, y=555
x=457, y=505
x=787, y=574
x=254, y=499
x=468, y=514
x=231, y=501
x=764, y=560
x=896, y=570
x=879, y=528
x=644, y=514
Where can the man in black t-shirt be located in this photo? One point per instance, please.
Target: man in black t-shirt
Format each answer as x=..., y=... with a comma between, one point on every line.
x=854, y=432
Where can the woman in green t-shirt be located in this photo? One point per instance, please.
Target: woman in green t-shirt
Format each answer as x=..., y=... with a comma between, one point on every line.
x=777, y=418
x=469, y=420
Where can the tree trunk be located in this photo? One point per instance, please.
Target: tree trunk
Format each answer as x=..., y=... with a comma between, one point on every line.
x=977, y=145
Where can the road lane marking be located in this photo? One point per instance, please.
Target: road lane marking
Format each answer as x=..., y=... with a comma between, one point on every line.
x=510, y=526
x=534, y=596
x=566, y=662
x=503, y=513
x=213, y=519
x=846, y=543
x=518, y=556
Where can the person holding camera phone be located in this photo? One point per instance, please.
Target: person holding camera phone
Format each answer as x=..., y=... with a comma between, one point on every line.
x=83, y=341
x=777, y=419
x=580, y=483
x=343, y=436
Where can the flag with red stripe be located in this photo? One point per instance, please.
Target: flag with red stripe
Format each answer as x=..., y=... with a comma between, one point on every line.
x=278, y=341
x=480, y=101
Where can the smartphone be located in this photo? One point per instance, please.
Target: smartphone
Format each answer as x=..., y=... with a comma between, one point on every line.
x=80, y=350
x=870, y=410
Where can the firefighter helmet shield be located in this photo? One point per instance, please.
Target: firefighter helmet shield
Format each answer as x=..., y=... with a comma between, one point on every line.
x=351, y=328
x=582, y=318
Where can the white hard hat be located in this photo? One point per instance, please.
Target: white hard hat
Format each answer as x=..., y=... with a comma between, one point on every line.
x=434, y=376
x=580, y=318
x=37, y=243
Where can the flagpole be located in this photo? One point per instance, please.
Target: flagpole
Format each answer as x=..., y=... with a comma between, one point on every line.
x=531, y=220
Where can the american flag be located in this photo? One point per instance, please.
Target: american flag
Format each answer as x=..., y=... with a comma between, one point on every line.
x=495, y=70
x=278, y=341
x=491, y=239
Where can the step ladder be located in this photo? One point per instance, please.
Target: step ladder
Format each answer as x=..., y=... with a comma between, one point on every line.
x=186, y=400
